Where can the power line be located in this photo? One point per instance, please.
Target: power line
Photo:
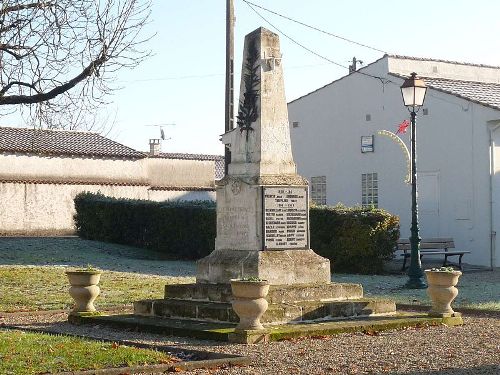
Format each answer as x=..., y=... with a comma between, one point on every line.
x=381, y=79
x=206, y=75
x=175, y=78
x=314, y=28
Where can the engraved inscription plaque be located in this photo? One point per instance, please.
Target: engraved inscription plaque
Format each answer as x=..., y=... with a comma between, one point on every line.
x=286, y=218
x=234, y=222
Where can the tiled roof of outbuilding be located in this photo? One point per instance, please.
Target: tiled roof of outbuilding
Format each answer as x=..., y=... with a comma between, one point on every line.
x=487, y=94
x=183, y=156
x=218, y=160
x=441, y=60
x=63, y=142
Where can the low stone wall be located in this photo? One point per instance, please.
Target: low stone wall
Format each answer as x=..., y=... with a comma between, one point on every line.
x=45, y=209
x=37, y=191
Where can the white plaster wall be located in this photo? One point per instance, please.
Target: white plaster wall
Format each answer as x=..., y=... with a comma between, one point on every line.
x=44, y=208
x=153, y=171
x=452, y=144
x=442, y=69
x=180, y=172
x=48, y=209
x=495, y=171
x=68, y=168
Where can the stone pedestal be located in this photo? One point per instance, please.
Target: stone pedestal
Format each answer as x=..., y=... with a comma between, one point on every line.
x=263, y=231
x=283, y=267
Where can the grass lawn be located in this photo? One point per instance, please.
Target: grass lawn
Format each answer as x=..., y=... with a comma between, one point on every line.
x=32, y=276
x=475, y=290
x=35, y=353
x=29, y=288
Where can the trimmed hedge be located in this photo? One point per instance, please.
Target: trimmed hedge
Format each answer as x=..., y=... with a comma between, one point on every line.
x=354, y=239
x=178, y=230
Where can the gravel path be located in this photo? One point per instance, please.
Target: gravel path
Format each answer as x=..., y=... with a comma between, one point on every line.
x=471, y=349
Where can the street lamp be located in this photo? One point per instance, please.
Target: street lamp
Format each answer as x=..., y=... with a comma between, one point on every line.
x=413, y=91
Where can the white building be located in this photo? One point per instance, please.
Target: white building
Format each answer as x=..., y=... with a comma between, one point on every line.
x=458, y=153
x=41, y=171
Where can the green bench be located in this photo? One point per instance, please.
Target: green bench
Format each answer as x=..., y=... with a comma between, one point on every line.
x=432, y=246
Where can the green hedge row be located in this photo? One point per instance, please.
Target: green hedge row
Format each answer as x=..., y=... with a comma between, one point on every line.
x=178, y=230
x=354, y=239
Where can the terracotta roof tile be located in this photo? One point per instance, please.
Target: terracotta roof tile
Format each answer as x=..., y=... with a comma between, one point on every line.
x=218, y=159
x=443, y=61
x=183, y=156
x=62, y=142
x=487, y=94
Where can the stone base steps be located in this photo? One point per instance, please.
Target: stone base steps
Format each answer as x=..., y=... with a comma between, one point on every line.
x=277, y=293
x=227, y=332
x=277, y=313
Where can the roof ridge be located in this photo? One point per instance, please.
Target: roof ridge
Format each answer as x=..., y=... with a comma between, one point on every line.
x=191, y=155
x=442, y=60
x=338, y=79
x=51, y=130
x=459, y=80
x=466, y=96
x=403, y=76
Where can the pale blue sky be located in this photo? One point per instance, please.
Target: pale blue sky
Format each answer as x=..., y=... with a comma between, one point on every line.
x=183, y=82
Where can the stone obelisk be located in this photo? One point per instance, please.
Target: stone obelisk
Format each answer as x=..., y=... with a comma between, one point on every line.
x=262, y=218
x=262, y=203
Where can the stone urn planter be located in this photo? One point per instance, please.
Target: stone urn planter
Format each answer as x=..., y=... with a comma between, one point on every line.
x=249, y=302
x=441, y=289
x=84, y=289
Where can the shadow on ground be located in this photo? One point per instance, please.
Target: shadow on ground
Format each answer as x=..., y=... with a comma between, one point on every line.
x=75, y=252
x=477, y=288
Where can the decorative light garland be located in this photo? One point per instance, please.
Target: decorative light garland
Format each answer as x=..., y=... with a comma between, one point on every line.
x=403, y=147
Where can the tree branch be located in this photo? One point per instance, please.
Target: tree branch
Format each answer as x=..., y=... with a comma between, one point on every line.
x=18, y=83
x=51, y=94
x=17, y=8
x=58, y=57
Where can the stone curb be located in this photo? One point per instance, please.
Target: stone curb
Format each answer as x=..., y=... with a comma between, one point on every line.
x=326, y=329
x=463, y=310
x=272, y=333
x=218, y=360
x=113, y=309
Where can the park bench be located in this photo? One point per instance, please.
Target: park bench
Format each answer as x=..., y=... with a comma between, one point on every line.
x=432, y=246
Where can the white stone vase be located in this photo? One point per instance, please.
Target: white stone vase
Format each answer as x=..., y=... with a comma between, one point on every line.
x=442, y=291
x=249, y=302
x=84, y=289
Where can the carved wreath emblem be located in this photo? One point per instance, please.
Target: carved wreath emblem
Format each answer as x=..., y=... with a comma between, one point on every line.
x=236, y=187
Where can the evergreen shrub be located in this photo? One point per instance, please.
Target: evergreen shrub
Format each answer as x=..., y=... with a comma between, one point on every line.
x=356, y=240
x=176, y=229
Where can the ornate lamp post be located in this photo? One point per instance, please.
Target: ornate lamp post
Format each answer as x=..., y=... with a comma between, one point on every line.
x=413, y=91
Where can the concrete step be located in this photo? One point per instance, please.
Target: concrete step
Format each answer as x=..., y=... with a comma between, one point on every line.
x=277, y=313
x=227, y=332
x=277, y=293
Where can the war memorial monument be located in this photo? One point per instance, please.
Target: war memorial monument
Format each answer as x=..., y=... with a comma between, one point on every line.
x=263, y=234
x=263, y=217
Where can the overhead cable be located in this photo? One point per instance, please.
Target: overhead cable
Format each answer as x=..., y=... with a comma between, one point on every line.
x=314, y=28
x=381, y=79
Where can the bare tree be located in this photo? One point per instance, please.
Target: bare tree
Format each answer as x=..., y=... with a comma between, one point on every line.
x=58, y=57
